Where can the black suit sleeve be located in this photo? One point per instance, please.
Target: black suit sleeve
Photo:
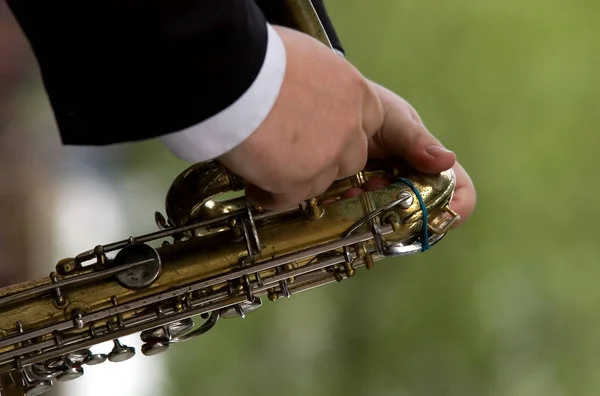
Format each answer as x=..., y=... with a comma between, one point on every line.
x=276, y=14
x=125, y=70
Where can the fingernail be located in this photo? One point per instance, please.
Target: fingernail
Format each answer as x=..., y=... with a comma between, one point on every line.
x=437, y=151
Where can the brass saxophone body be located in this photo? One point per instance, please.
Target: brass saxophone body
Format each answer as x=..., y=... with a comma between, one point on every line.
x=210, y=259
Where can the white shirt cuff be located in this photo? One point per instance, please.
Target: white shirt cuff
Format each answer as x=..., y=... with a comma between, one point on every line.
x=230, y=127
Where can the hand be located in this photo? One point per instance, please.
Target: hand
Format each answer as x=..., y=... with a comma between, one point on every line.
x=404, y=135
x=327, y=121
x=317, y=131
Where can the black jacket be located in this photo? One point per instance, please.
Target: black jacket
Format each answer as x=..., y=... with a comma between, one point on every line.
x=126, y=70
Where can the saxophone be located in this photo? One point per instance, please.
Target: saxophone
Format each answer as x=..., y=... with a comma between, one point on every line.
x=214, y=256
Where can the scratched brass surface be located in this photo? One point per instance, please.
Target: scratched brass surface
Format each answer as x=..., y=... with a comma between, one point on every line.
x=197, y=259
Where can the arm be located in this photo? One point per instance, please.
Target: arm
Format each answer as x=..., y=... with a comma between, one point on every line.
x=213, y=80
x=127, y=70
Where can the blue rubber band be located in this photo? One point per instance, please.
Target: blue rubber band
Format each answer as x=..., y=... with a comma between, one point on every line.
x=425, y=230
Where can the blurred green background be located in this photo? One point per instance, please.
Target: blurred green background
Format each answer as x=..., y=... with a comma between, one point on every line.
x=505, y=305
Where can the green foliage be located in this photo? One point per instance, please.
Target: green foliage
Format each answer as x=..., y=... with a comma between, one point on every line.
x=506, y=305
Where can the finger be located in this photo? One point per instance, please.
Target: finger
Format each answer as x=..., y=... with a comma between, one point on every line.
x=322, y=182
x=354, y=158
x=404, y=134
x=352, y=192
x=413, y=113
x=293, y=195
x=277, y=202
x=374, y=184
x=465, y=197
x=372, y=110
x=404, y=137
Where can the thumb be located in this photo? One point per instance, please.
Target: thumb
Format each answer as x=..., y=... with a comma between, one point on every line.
x=403, y=134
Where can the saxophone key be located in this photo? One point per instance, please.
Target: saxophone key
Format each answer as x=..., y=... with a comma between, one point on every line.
x=240, y=310
x=38, y=371
x=33, y=387
x=95, y=359
x=167, y=333
x=78, y=358
x=66, y=266
x=120, y=352
x=160, y=221
x=138, y=276
x=155, y=348
x=56, y=366
x=38, y=388
x=70, y=374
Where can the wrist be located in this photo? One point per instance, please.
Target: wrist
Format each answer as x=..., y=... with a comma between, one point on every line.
x=233, y=125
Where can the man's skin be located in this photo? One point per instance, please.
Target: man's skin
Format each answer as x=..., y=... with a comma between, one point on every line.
x=327, y=121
